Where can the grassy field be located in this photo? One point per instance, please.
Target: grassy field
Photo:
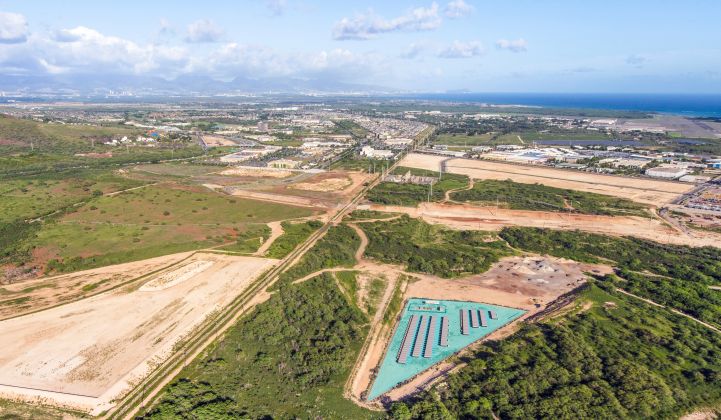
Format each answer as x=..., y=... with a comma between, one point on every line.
x=153, y=221
x=611, y=357
x=412, y=194
x=463, y=140
x=540, y=197
x=35, y=196
x=289, y=358
x=17, y=134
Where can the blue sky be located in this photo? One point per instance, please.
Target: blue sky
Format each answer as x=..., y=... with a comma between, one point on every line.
x=485, y=46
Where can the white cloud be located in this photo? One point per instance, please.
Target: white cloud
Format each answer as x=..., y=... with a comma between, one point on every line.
x=517, y=45
x=276, y=7
x=86, y=51
x=457, y=9
x=83, y=49
x=13, y=28
x=204, y=30
x=463, y=50
x=368, y=25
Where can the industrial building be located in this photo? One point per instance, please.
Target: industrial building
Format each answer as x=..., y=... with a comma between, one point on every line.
x=667, y=171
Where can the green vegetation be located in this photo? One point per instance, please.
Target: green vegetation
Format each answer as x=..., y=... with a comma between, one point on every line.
x=369, y=214
x=622, y=358
x=288, y=359
x=153, y=221
x=693, y=298
x=293, y=235
x=348, y=281
x=33, y=196
x=350, y=127
x=14, y=239
x=431, y=248
x=463, y=139
x=249, y=241
x=336, y=249
x=412, y=194
x=676, y=276
x=394, y=305
x=540, y=197
x=376, y=287
x=31, y=147
x=702, y=265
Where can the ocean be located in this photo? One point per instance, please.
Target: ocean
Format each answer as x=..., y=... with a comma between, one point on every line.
x=696, y=105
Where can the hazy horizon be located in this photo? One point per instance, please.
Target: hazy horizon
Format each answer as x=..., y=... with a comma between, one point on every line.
x=412, y=46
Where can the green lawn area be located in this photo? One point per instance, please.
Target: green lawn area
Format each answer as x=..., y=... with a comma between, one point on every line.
x=540, y=197
x=289, y=358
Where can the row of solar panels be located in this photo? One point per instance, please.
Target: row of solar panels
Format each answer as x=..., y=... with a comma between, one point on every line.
x=475, y=316
x=421, y=338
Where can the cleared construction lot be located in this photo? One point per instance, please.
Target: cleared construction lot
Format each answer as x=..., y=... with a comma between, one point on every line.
x=642, y=190
x=87, y=353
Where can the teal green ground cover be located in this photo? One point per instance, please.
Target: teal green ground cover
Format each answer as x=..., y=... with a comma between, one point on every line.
x=392, y=373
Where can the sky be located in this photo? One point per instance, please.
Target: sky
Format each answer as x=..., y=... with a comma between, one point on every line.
x=609, y=46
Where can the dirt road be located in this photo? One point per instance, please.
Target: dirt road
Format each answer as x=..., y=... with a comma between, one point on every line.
x=276, y=230
x=470, y=217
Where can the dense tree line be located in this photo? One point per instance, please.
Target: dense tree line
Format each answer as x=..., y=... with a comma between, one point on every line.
x=540, y=197
x=432, y=249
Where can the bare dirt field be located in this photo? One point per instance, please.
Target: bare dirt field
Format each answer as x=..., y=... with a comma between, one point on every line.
x=213, y=141
x=87, y=353
x=642, y=190
x=470, y=217
x=34, y=295
x=325, y=185
x=281, y=198
x=256, y=172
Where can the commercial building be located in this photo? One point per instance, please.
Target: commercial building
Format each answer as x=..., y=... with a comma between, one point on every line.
x=372, y=153
x=669, y=172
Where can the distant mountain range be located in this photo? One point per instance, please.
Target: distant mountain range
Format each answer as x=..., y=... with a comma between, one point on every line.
x=182, y=85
